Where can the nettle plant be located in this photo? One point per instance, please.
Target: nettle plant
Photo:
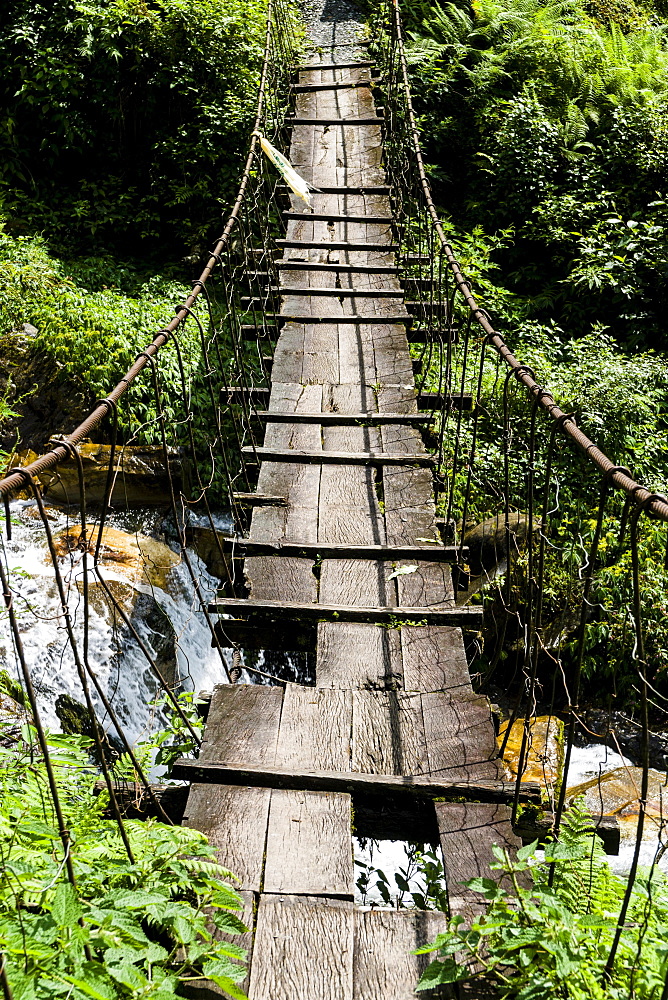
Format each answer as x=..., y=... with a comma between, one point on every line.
x=540, y=940
x=137, y=929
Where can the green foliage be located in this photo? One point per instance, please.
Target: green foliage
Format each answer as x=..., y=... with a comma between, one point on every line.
x=539, y=941
x=541, y=118
x=121, y=118
x=126, y=930
x=421, y=883
x=92, y=318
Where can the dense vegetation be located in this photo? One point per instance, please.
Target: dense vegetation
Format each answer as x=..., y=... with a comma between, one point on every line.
x=551, y=937
x=120, y=118
x=127, y=928
x=544, y=123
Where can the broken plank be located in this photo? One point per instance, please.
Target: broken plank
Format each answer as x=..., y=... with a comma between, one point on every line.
x=214, y=772
x=289, y=637
x=258, y=500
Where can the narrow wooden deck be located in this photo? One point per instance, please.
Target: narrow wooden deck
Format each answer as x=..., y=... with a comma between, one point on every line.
x=387, y=701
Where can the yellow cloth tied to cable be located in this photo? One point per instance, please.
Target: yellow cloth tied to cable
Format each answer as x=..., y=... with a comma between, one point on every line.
x=287, y=171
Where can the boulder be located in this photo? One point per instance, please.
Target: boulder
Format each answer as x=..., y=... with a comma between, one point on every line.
x=617, y=793
x=142, y=560
x=487, y=541
x=144, y=564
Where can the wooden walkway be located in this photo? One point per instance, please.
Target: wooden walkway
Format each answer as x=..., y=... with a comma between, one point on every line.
x=387, y=701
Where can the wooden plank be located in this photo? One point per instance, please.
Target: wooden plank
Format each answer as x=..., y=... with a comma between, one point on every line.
x=352, y=247
x=467, y=832
x=388, y=733
x=315, y=729
x=234, y=819
x=354, y=655
x=213, y=772
x=356, y=269
x=341, y=217
x=300, y=486
x=266, y=454
x=354, y=319
x=460, y=736
x=309, y=845
x=434, y=659
x=328, y=550
x=303, y=949
x=243, y=724
x=258, y=500
x=384, y=966
x=268, y=610
x=342, y=418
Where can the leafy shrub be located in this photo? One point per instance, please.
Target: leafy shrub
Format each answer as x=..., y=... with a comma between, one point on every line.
x=553, y=940
x=121, y=117
x=92, y=318
x=147, y=926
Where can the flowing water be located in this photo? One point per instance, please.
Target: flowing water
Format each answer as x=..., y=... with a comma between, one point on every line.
x=162, y=603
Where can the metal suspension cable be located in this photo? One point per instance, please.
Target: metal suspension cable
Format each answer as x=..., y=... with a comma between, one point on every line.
x=565, y=421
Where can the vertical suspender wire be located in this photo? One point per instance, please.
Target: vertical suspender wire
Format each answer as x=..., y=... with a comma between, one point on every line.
x=69, y=627
x=644, y=785
x=179, y=527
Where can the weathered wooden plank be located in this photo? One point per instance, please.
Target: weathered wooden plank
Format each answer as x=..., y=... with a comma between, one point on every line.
x=384, y=966
x=243, y=724
x=315, y=729
x=467, y=617
x=234, y=819
x=434, y=659
x=270, y=454
x=300, y=486
x=326, y=419
x=353, y=655
x=332, y=781
x=467, y=832
x=309, y=845
x=388, y=733
x=328, y=550
x=459, y=734
x=303, y=949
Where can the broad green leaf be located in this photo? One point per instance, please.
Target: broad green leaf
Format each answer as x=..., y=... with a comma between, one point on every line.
x=65, y=905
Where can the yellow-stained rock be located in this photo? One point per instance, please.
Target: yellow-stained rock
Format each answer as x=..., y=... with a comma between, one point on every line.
x=544, y=758
x=140, y=559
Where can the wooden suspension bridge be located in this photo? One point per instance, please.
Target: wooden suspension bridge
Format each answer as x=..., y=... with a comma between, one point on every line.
x=392, y=729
